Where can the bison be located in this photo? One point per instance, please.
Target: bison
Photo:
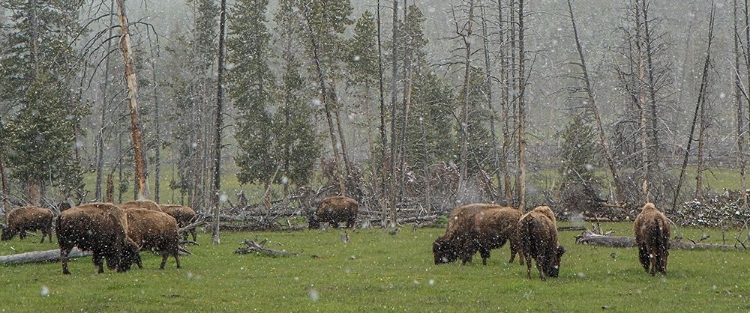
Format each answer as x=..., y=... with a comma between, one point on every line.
x=100, y=228
x=334, y=210
x=28, y=218
x=151, y=229
x=651, y=229
x=140, y=204
x=478, y=227
x=538, y=232
x=184, y=216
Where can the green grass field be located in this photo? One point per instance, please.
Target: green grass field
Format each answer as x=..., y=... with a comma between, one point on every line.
x=379, y=272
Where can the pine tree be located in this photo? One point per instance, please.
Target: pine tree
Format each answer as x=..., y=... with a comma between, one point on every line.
x=251, y=87
x=36, y=75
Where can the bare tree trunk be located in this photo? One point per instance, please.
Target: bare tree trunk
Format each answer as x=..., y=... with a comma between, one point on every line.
x=701, y=99
x=215, y=194
x=100, y=139
x=135, y=124
x=651, y=86
x=394, y=79
x=493, y=115
x=157, y=120
x=505, y=106
x=641, y=97
x=595, y=111
x=4, y=182
x=741, y=121
x=383, y=137
x=521, y=109
x=465, y=33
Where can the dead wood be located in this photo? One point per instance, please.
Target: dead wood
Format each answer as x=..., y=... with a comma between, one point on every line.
x=588, y=237
x=41, y=256
x=192, y=225
x=253, y=246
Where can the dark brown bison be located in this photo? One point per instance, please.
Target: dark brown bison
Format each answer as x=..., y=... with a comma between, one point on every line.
x=25, y=219
x=478, y=227
x=140, y=204
x=156, y=230
x=334, y=210
x=184, y=216
x=652, y=236
x=99, y=228
x=538, y=232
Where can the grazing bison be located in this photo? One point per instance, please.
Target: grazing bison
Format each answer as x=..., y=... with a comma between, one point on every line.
x=28, y=219
x=334, y=210
x=538, y=232
x=652, y=236
x=154, y=230
x=478, y=227
x=99, y=228
x=140, y=204
x=184, y=216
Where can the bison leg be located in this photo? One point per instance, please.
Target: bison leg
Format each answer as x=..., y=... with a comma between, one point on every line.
x=540, y=262
x=644, y=257
x=22, y=233
x=98, y=262
x=485, y=253
x=64, y=251
x=528, y=265
x=194, y=233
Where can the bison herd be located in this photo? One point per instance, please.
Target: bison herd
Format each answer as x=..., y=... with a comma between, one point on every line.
x=114, y=234
x=117, y=233
x=483, y=227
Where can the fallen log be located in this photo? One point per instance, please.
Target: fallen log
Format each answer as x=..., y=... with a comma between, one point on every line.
x=193, y=225
x=253, y=246
x=41, y=256
x=590, y=238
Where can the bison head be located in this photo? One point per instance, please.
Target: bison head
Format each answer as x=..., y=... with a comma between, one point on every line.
x=8, y=233
x=554, y=266
x=129, y=256
x=313, y=222
x=444, y=251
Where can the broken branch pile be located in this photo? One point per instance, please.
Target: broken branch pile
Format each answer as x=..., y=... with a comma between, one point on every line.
x=253, y=246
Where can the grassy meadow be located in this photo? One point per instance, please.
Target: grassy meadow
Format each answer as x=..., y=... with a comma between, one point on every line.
x=378, y=272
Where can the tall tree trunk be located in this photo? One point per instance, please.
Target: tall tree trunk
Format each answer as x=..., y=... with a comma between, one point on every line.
x=464, y=120
x=216, y=194
x=505, y=105
x=394, y=80
x=595, y=111
x=701, y=99
x=493, y=115
x=383, y=137
x=653, y=143
x=157, y=125
x=521, y=109
x=105, y=88
x=135, y=124
x=4, y=181
x=741, y=121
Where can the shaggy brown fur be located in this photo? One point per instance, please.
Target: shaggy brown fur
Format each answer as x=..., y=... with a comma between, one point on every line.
x=184, y=216
x=334, y=210
x=478, y=227
x=652, y=230
x=101, y=229
x=538, y=232
x=140, y=204
x=154, y=230
x=28, y=219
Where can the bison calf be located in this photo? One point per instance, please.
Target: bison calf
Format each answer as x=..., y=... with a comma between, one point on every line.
x=334, y=210
x=99, y=228
x=154, y=230
x=651, y=229
x=538, y=232
x=28, y=219
x=478, y=227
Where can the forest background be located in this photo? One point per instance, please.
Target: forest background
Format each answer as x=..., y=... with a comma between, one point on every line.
x=570, y=103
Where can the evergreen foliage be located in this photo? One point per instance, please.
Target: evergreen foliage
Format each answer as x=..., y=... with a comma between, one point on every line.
x=37, y=69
